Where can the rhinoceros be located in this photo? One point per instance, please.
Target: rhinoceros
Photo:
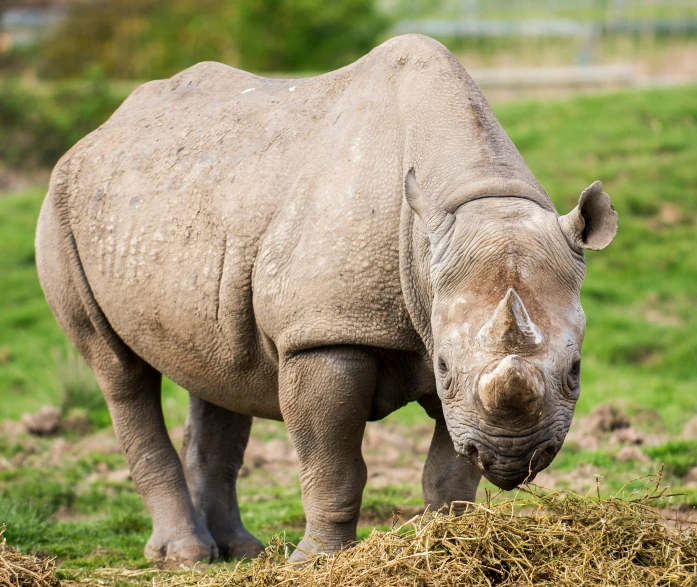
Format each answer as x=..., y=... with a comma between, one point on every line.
x=320, y=251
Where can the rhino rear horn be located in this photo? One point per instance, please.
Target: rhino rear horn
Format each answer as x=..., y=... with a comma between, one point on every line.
x=510, y=328
x=592, y=224
x=437, y=220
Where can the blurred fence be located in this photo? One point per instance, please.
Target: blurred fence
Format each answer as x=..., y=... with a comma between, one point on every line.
x=577, y=42
x=565, y=43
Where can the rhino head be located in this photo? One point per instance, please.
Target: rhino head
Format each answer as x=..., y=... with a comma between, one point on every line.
x=507, y=324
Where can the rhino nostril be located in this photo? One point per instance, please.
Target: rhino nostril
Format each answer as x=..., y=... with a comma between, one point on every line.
x=472, y=453
x=478, y=456
x=545, y=457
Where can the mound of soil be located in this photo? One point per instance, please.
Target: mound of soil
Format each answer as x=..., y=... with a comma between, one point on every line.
x=607, y=425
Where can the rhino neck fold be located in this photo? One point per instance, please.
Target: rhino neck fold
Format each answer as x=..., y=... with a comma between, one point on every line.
x=414, y=275
x=415, y=248
x=498, y=187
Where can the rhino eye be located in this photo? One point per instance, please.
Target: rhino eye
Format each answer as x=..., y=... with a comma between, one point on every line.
x=573, y=379
x=444, y=373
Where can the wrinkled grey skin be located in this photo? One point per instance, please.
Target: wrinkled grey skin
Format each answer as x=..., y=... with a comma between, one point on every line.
x=264, y=244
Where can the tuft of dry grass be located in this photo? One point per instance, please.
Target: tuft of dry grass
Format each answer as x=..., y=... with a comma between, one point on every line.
x=541, y=537
x=544, y=538
x=21, y=570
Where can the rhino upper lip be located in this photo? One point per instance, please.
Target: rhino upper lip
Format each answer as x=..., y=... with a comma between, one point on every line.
x=538, y=448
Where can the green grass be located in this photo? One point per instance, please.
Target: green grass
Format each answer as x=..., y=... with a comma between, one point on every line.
x=640, y=293
x=640, y=350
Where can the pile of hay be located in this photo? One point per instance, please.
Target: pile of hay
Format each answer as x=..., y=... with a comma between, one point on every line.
x=545, y=538
x=20, y=570
x=558, y=538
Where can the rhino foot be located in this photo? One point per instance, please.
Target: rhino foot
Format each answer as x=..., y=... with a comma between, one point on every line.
x=239, y=545
x=312, y=545
x=183, y=551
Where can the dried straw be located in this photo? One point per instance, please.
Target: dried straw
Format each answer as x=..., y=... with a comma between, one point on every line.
x=554, y=538
x=558, y=538
x=20, y=570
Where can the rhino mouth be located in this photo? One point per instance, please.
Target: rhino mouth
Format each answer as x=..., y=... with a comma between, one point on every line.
x=507, y=471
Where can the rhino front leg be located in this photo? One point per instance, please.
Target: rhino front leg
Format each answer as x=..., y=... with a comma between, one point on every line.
x=448, y=477
x=325, y=397
x=212, y=452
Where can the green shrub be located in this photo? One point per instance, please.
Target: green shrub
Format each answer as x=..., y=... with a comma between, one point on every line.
x=304, y=35
x=39, y=125
x=147, y=39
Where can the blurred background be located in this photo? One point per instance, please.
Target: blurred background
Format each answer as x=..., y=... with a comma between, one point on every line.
x=587, y=89
x=60, y=53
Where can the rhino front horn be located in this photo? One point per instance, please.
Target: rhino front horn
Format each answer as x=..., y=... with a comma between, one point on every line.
x=510, y=329
x=514, y=386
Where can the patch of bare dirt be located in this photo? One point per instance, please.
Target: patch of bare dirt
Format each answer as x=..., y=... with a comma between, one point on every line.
x=14, y=180
x=66, y=514
x=670, y=213
x=12, y=431
x=607, y=425
x=690, y=480
x=103, y=442
x=631, y=453
x=656, y=312
x=393, y=454
x=391, y=516
x=683, y=515
x=689, y=432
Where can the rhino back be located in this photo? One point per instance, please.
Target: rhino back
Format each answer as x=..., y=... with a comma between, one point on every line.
x=218, y=209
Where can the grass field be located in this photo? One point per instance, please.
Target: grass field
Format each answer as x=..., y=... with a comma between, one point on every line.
x=67, y=496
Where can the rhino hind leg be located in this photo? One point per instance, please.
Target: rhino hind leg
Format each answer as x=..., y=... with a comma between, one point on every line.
x=132, y=391
x=325, y=396
x=212, y=453
x=133, y=396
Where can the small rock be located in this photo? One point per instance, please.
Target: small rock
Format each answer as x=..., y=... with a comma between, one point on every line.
x=44, y=422
x=606, y=418
x=689, y=432
x=76, y=422
x=631, y=453
x=590, y=433
x=627, y=436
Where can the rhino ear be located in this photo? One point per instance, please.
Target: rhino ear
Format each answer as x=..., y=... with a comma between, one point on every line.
x=437, y=220
x=593, y=223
